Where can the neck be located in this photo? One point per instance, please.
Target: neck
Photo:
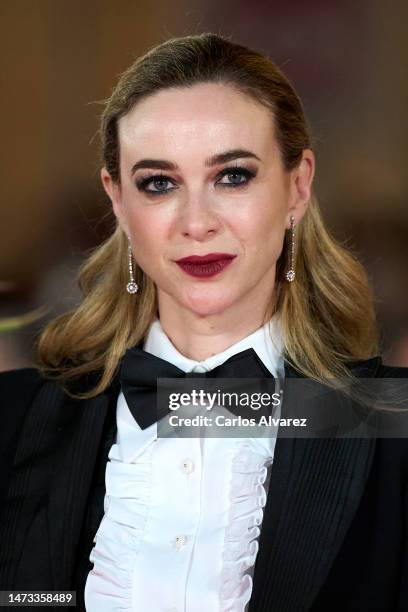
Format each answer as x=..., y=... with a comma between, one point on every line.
x=201, y=336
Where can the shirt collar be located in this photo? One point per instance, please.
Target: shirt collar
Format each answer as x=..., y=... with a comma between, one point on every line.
x=266, y=341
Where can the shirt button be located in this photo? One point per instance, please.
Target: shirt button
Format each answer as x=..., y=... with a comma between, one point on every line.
x=180, y=541
x=187, y=466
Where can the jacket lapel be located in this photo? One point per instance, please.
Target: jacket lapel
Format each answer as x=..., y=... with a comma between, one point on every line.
x=81, y=427
x=315, y=488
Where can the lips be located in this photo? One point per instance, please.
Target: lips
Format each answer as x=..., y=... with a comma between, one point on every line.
x=205, y=266
x=203, y=259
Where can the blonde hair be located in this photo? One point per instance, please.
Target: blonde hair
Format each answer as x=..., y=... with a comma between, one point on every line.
x=327, y=314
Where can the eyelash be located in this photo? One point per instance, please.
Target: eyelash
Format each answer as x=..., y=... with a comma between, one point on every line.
x=249, y=175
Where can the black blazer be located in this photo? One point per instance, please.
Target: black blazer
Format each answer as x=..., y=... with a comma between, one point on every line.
x=335, y=529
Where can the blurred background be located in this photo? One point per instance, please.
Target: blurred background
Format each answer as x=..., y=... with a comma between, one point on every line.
x=347, y=60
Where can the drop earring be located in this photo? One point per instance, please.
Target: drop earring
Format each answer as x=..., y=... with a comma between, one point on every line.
x=131, y=287
x=290, y=274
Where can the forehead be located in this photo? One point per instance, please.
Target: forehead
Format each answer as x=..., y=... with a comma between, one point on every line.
x=205, y=117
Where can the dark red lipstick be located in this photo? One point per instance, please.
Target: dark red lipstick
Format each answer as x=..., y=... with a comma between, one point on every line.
x=205, y=266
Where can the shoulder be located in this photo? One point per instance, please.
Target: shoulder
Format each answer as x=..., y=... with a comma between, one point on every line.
x=24, y=392
x=375, y=367
x=19, y=386
x=19, y=390
x=22, y=375
x=388, y=371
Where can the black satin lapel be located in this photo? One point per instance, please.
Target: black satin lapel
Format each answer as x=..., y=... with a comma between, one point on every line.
x=315, y=488
x=74, y=467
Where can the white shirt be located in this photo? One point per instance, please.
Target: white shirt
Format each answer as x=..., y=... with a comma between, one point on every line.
x=182, y=515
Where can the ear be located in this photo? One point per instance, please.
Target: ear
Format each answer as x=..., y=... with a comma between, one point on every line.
x=114, y=192
x=301, y=180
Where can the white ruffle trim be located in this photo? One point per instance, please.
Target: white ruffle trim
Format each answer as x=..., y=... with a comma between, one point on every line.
x=247, y=499
x=118, y=539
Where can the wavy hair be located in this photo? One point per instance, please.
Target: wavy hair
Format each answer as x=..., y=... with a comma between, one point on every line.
x=327, y=315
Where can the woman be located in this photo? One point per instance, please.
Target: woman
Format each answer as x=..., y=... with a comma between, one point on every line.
x=220, y=263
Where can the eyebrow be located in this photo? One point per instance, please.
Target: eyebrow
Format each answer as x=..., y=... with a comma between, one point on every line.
x=214, y=160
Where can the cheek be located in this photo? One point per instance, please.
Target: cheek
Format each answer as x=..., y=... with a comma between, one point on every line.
x=148, y=232
x=261, y=231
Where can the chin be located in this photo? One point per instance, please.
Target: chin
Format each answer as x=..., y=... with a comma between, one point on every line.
x=204, y=304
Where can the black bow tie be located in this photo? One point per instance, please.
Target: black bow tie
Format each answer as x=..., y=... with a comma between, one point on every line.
x=140, y=370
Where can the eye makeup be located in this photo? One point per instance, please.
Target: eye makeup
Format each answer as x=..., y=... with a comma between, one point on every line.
x=246, y=174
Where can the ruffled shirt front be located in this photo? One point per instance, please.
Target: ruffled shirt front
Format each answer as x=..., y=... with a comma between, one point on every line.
x=182, y=515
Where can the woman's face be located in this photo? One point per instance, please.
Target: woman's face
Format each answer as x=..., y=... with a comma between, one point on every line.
x=201, y=174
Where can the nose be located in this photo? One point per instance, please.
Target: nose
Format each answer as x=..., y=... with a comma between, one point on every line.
x=198, y=219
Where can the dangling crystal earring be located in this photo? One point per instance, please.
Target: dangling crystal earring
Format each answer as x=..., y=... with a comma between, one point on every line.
x=131, y=287
x=290, y=274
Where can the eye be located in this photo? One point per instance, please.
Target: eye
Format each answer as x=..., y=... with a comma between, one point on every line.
x=237, y=176
x=159, y=181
